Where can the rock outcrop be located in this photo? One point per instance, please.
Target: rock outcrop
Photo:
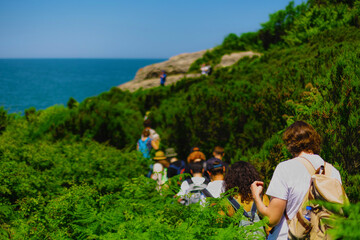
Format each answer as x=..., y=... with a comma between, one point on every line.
x=176, y=68
x=153, y=82
x=230, y=59
x=175, y=65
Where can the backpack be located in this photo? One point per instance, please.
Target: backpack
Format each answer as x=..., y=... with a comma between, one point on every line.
x=179, y=169
x=252, y=216
x=193, y=194
x=308, y=222
x=145, y=147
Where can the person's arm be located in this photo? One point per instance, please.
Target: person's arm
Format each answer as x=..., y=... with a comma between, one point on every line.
x=276, y=208
x=155, y=144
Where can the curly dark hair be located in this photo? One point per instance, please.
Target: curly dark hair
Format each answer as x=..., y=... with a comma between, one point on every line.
x=301, y=136
x=241, y=175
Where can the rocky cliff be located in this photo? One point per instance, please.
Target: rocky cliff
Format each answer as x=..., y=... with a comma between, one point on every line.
x=176, y=68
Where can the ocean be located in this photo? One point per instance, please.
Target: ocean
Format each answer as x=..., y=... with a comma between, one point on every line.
x=42, y=83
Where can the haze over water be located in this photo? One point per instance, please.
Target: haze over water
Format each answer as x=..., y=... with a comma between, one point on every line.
x=42, y=83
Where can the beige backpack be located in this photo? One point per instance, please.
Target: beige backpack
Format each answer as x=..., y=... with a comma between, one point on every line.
x=309, y=223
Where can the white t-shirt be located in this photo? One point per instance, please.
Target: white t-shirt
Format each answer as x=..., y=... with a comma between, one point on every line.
x=291, y=181
x=216, y=188
x=185, y=185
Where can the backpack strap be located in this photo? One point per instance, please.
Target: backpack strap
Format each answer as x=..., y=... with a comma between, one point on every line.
x=307, y=164
x=206, y=182
x=207, y=193
x=253, y=211
x=235, y=204
x=326, y=168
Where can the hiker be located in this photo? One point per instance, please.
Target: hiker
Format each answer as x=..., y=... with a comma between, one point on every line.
x=145, y=143
x=163, y=78
x=190, y=190
x=176, y=166
x=218, y=154
x=291, y=179
x=159, y=175
x=239, y=177
x=194, y=156
x=216, y=171
x=153, y=135
x=204, y=69
x=161, y=158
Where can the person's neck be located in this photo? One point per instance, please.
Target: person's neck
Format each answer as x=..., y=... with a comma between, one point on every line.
x=305, y=152
x=197, y=175
x=218, y=177
x=218, y=156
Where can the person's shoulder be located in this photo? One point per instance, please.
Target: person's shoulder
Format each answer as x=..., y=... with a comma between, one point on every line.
x=289, y=163
x=288, y=167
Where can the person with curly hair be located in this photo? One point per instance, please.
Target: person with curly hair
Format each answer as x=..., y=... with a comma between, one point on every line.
x=291, y=180
x=239, y=177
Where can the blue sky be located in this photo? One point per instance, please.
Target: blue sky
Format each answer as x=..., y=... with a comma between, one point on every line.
x=124, y=29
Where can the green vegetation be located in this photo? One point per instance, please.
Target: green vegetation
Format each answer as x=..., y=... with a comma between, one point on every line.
x=73, y=172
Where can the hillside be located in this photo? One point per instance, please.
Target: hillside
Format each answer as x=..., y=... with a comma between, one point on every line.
x=73, y=173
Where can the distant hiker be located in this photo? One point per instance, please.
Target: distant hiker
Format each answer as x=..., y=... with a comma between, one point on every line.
x=153, y=135
x=176, y=166
x=159, y=175
x=219, y=152
x=203, y=69
x=240, y=176
x=191, y=188
x=163, y=78
x=145, y=143
x=216, y=171
x=291, y=181
x=206, y=69
x=147, y=114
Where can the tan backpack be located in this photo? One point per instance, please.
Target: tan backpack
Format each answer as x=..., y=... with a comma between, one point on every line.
x=309, y=223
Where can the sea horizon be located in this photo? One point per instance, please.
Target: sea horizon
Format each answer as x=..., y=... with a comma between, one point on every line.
x=44, y=82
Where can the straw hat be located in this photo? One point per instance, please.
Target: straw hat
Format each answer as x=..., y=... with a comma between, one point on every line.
x=159, y=155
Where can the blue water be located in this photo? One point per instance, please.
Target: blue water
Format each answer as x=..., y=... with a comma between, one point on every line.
x=42, y=83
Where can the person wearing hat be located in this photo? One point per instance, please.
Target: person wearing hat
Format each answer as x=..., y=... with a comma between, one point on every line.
x=176, y=166
x=159, y=175
x=216, y=170
x=161, y=158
